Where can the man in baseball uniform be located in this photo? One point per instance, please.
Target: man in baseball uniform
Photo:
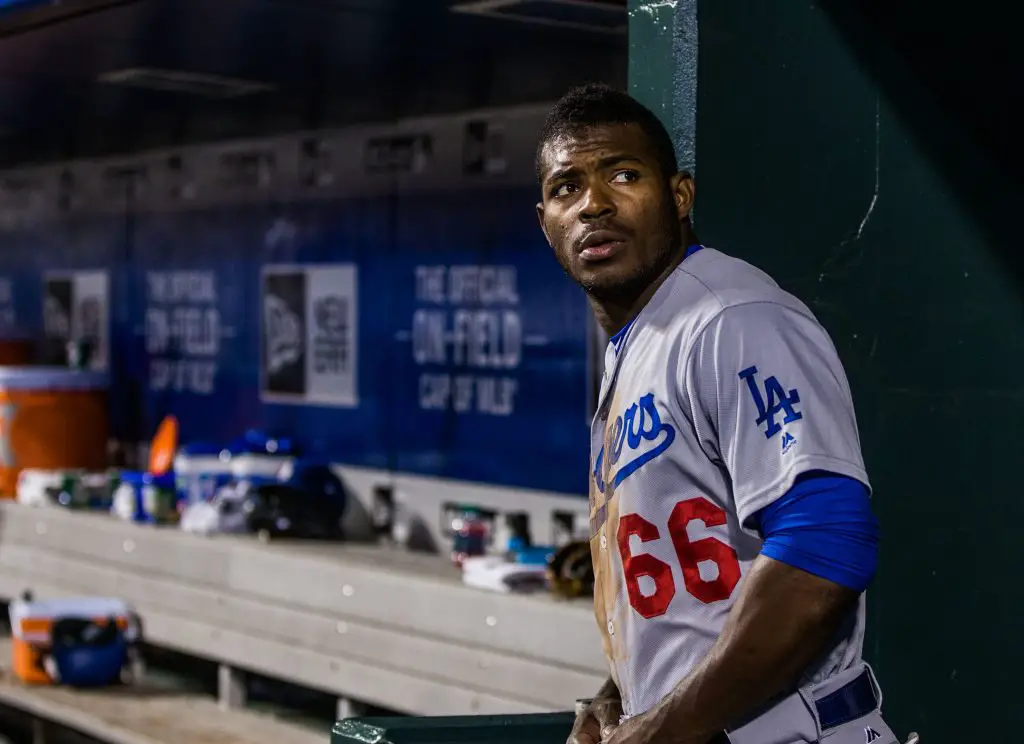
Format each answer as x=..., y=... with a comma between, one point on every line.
x=731, y=527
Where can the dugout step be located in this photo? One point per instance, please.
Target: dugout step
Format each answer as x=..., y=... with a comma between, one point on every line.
x=531, y=728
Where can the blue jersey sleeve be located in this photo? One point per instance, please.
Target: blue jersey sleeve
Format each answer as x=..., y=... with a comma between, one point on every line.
x=823, y=525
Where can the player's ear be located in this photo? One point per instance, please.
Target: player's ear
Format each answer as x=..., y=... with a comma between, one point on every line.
x=540, y=220
x=683, y=189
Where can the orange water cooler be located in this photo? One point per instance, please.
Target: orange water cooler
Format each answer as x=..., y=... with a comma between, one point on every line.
x=51, y=418
x=32, y=623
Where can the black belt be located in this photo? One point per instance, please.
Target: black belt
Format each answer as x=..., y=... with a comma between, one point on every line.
x=855, y=699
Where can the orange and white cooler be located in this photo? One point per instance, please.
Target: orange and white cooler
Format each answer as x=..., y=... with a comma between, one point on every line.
x=51, y=418
x=32, y=623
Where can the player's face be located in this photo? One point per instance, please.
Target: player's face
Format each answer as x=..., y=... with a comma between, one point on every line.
x=611, y=216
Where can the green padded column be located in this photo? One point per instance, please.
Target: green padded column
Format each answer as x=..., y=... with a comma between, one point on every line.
x=828, y=162
x=663, y=67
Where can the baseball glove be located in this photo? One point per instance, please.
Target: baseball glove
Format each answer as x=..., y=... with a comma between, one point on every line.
x=571, y=572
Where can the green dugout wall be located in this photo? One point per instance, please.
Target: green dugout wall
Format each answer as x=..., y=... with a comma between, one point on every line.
x=860, y=154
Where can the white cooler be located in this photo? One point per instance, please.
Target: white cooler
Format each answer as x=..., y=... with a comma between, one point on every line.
x=197, y=477
x=257, y=466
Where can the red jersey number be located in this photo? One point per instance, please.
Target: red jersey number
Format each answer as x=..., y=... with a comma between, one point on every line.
x=689, y=552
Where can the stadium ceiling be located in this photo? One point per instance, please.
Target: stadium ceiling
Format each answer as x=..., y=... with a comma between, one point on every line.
x=90, y=77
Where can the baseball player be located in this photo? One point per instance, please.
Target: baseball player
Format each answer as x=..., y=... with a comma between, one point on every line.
x=731, y=529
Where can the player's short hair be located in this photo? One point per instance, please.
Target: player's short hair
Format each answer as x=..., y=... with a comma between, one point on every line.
x=597, y=104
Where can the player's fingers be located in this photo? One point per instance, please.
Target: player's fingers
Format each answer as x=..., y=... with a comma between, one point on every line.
x=607, y=731
x=586, y=731
x=607, y=716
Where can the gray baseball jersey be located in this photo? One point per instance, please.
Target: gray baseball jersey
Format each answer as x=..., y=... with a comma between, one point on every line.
x=720, y=392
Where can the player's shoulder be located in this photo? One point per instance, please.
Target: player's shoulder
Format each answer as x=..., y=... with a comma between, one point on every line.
x=722, y=281
x=710, y=284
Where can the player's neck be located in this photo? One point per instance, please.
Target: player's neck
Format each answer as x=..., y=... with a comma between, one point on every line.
x=614, y=315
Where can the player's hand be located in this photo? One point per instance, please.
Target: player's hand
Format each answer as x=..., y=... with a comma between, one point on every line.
x=642, y=729
x=631, y=731
x=596, y=722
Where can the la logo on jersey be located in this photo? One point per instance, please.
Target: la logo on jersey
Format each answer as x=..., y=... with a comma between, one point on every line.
x=775, y=401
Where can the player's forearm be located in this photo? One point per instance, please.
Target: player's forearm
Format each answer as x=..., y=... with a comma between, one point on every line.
x=782, y=621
